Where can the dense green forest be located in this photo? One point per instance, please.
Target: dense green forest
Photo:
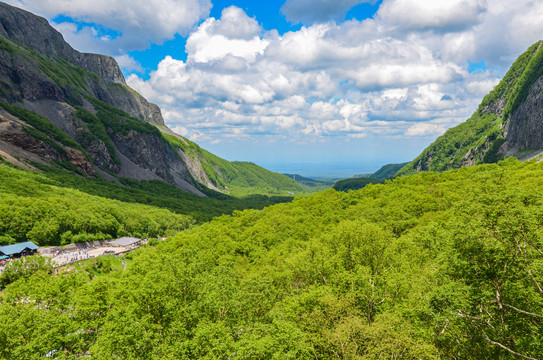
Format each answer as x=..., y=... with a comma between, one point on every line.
x=58, y=207
x=429, y=266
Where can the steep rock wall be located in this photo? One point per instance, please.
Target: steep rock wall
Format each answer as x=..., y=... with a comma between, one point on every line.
x=525, y=128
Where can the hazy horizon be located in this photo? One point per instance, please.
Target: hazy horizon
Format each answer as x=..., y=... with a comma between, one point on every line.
x=320, y=170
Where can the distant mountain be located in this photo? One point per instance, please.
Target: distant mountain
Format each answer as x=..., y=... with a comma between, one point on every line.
x=508, y=122
x=308, y=181
x=63, y=108
x=362, y=175
x=387, y=171
x=355, y=183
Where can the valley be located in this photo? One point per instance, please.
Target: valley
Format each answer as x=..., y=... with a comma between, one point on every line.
x=405, y=266
x=440, y=257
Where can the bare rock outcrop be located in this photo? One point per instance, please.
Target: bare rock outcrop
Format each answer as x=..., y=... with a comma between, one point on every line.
x=13, y=134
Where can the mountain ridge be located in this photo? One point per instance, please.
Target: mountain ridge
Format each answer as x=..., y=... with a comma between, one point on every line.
x=506, y=123
x=112, y=131
x=34, y=33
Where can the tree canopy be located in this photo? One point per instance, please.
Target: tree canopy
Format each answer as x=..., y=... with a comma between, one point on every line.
x=433, y=265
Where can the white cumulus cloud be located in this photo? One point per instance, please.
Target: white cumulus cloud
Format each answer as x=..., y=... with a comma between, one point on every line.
x=354, y=79
x=234, y=34
x=128, y=63
x=442, y=15
x=425, y=129
x=401, y=74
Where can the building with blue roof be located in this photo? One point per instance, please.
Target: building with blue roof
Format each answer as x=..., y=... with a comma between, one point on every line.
x=18, y=250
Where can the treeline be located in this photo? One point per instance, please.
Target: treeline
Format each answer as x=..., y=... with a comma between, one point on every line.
x=430, y=266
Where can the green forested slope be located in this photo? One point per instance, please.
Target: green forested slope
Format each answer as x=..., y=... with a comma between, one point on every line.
x=250, y=175
x=58, y=207
x=478, y=139
x=36, y=209
x=431, y=266
x=387, y=171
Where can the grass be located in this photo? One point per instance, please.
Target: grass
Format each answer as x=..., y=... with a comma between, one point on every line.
x=101, y=265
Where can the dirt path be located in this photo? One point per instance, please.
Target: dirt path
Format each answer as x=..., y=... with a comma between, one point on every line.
x=71, y=256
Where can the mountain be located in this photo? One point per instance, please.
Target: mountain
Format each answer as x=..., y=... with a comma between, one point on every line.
x=355, y=183
x=387, y=171
x=508, y=122
x=60, y=107
x=312, y=183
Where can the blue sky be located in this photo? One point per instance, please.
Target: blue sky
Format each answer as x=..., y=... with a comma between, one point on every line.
x=317, y=87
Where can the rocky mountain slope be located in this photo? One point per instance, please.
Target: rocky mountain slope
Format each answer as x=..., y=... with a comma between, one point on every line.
x=65, y=108
x=35, y=55
x=508, y=122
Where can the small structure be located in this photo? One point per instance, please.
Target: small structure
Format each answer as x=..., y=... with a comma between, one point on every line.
x=129, y=242
x=18, y=250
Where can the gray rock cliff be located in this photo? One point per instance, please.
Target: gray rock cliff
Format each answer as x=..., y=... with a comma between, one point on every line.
x=40, y=72
x=525, y=127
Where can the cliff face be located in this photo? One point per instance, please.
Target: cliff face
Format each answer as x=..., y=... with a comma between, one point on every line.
x=32, y=32
x=82, y=114
x=17, y=140
x=525, y=128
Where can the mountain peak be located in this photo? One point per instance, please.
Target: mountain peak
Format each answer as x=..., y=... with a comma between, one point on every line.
x=60, y=107
x=40, y=65
x=34, y=32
